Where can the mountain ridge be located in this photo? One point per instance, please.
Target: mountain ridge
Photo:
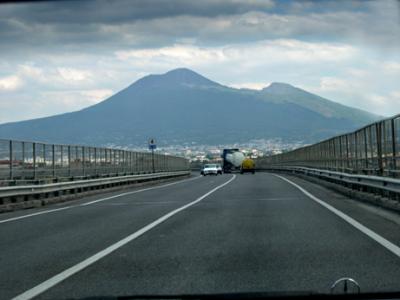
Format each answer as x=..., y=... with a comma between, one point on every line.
x=182, y=106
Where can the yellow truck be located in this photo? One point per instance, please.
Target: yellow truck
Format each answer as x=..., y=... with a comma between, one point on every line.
x=248, y=165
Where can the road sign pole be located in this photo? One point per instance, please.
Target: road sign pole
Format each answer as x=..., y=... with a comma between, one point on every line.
x=152, y=159
x=152, y=146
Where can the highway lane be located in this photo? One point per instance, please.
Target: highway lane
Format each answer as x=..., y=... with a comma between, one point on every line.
x=380, y=220
x=257, y=233
x=35, y=248
x=81, y=199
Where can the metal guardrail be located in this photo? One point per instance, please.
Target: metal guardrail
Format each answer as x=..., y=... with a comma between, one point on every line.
x=386, y=184
x=29, y=190
x=371, y=150
x=21, y=160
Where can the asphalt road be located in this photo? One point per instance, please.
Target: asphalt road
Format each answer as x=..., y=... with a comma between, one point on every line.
x=230, y=233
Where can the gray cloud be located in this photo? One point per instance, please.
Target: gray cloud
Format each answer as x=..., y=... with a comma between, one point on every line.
x=122, y=11
x=108, y=25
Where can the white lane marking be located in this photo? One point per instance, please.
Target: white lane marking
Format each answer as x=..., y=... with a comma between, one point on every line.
x=373, y=235
x=49, y=283
x=34, y=214
x=139, y=203
x=95, y=201
x=135, y=192
x=272, y=199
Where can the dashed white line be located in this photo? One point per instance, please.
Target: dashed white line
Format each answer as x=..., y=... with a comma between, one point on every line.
x=44, y=286
x=95, y=201
x=373, y=235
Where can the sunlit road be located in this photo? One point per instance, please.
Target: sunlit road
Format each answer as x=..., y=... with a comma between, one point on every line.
x=230, y=233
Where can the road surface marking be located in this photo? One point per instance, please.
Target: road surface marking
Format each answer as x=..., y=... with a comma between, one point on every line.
x=373, y=235
x=95, y=201
x=49, y=283
x=135, y=192
x=272, y=199
x=35, y=214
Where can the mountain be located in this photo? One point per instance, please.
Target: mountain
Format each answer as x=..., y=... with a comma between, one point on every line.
x=285, y=93
x=182, y=106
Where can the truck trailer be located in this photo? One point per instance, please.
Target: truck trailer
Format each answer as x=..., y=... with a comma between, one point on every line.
x=232, y=160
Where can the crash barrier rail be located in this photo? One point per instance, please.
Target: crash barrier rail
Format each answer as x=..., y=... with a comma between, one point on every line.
x=24, y=162
x=367, y=183
x=371, y=150
x=14, y=197
x=16, y=191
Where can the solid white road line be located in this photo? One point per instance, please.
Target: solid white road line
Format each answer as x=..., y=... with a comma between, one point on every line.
x=95, y=201
x=373, y=235
x=138, y=191
x=44, y=286
x=35, y=214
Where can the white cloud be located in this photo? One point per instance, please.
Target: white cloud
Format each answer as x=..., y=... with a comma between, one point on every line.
x=275, y=51
x=96, y=96
x=255, y=3
x=377, y=100
x=395, y=95
x=369, y=91
x=56, y=102
x=178, y=54
x=24, y=105
x=392, y=67
x=334, y=84
x=10, y=83
x=357, y=72
x=71, y=100
x=389, y=102
x=250, y=85
x=30, y=71
x=71, y=74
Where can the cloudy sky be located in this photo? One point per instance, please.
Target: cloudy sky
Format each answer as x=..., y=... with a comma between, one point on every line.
x=58, y=57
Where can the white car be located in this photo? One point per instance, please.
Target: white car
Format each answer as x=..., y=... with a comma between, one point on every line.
x=219, y=169
x=209, y=169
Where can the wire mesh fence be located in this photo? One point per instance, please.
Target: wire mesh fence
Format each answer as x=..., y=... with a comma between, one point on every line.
x=371, y=150
x=20, y=160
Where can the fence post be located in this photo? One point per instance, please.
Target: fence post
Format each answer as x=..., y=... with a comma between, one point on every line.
x=115, y=161
x=334, y=153
x=379, y=147
x=44, y=158
x=23, y=159
x=136, y=163
x=130, y=162
x=356, y=151
x=95, y=161
x=62, y=159
x=105, y=161
x=11, y=159
x=393, y=143
x=53, y=158
x=69, y=161
x=83, y=161
x=124, y=159
x=34, y=159
x=340, y=153
x=347, y=152
x=365, y=148
x=143, y=162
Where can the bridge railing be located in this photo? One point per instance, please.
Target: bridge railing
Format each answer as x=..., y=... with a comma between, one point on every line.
x=371, y=150
x=25, y=161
